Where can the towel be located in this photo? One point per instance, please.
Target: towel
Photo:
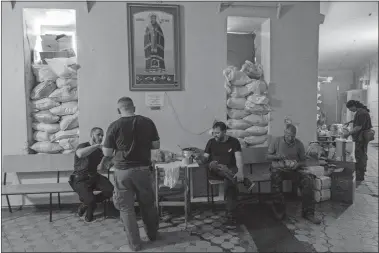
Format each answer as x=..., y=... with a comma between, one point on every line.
x=171, y=174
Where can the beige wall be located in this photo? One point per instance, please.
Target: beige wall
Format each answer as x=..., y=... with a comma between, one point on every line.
x=103, y=55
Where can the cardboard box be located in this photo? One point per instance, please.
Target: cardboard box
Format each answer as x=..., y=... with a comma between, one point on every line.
x=49, y=43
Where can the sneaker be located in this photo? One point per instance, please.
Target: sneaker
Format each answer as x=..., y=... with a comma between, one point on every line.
x=313, y=219
x=82, y=209
x=279, y=211
x=231, y=223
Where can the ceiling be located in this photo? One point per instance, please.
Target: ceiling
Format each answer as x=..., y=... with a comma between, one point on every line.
x=348, y=36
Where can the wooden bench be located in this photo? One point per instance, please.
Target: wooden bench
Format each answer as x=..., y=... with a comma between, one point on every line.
x=34, y=164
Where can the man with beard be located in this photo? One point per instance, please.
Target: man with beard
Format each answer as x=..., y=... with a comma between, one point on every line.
x=290, y=152
x=223, y=157
x=86, y=179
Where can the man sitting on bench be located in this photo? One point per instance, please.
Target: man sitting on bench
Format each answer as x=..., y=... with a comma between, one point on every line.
x=223, y=153
x=288, y=156
x=86, y=179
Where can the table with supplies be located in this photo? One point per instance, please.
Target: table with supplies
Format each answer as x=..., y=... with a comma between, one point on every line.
x=175, y=178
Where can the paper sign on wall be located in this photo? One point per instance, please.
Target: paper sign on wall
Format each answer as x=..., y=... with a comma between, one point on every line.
x=154, y=99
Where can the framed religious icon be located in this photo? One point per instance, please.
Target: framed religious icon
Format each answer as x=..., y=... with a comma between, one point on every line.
x=154, y=47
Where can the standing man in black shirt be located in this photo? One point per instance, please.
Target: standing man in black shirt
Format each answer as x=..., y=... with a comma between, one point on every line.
x=86, y=179
x=361, y=126
x=223, y=153
x=130, y=139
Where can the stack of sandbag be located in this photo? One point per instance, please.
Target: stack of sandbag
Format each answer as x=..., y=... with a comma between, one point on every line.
x=54, y=102
x=247, y=104
x=321, y=188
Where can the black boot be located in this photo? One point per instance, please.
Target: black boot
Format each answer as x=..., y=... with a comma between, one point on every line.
x=89, y=214
x=311, y=217
x=279, y=210
x=82, y=209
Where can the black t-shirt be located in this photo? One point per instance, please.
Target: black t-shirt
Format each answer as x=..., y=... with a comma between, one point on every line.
x=120, y=136
x=361, y=118
x=223, y=152
x=87, y=165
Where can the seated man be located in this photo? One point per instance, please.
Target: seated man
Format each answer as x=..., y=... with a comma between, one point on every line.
x=223, y=153
x=86, y=179
x=289, y=151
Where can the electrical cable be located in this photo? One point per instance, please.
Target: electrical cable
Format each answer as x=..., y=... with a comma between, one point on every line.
x=178, y=119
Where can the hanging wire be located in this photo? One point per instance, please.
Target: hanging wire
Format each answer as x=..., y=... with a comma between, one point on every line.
x=178, y=119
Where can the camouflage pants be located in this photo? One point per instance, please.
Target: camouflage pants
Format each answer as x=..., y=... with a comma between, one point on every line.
x=302, y=180
x=360, y=158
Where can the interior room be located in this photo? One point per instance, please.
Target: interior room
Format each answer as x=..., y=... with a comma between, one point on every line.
x=224, y=122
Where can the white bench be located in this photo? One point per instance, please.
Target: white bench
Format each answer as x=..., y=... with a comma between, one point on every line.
x=37, y=163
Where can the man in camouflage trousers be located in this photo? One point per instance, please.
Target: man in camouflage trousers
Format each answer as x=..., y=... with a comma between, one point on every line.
x=289, y=148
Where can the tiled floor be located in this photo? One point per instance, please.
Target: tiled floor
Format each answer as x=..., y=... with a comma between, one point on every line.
x=30, y=231
x=344, y=228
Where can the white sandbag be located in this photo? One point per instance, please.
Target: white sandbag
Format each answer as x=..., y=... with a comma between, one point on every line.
x=49, y=128
x=69, y=143
x=254, y=71
x=45, y=117
x=44, y=104
x=258, y=99
x=64, y=67
x=238, y=124
x=63, y=82
x=242, y=142
x=69, y=122
x=67, y=108
x=257, y=130
x=46, y=147
x=322, y=195
x=257, y=87
x=255, y=140
x=65, y=94
x=258, y=120
x=43, y=90
x=236, y=103
x=73, y=133
x=236, y=77
x=322, y=183
x=43, y=73
x=41, y=136
x=237, y=114
x=237, y=133
x=239, y=91
x=69, y=151
x=257, y=109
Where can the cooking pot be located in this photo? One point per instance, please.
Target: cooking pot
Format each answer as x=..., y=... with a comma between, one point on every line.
x=187, y=152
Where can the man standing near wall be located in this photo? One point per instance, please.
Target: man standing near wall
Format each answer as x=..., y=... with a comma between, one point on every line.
x=130, y=139
x=86, y=179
